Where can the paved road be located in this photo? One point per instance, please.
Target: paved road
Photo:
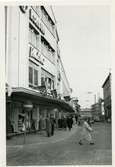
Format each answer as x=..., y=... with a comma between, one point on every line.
x=66, y=152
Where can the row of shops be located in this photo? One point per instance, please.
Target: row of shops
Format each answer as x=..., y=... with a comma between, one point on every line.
x=29, y=109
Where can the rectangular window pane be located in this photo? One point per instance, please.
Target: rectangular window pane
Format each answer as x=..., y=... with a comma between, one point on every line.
x=42, y=81
x=30, y=75
x=35, y=77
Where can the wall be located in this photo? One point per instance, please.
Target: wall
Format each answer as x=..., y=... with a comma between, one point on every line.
x=17, y=47
x=64, y=85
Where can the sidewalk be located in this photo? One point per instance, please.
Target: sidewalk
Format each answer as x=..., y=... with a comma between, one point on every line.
x=41, y=138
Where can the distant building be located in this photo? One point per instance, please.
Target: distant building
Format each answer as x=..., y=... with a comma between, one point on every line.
x=107, y=97
x=86, y=112
x=97, y=110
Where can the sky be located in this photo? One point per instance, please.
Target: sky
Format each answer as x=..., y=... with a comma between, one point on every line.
x=85, y=45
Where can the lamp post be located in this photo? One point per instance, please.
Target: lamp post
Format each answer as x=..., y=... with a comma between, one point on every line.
x=27, y=108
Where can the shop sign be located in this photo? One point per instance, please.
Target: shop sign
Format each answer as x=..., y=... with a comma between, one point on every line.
x=28, y=106
x=23, y=8
x=36, y=54
x=35, y=19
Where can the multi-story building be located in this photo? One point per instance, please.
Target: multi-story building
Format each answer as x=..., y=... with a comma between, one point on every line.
x=107, y=97
x=35, y=76
x=97, y=110
x=86, y=112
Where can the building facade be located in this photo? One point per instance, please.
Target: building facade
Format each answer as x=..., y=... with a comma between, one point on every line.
x=86, y=112
x=97, y=111
x=107, y=97
x=35, y=77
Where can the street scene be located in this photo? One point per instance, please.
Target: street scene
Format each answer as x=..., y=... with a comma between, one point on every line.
x=63, y=149
x=58, y=85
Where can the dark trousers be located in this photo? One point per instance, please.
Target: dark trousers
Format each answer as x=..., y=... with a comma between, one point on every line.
x=52, y=130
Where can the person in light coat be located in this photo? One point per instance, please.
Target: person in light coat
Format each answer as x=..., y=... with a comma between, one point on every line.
x=85, y=132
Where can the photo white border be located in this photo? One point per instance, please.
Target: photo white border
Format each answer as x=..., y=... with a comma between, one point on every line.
x=2, y=64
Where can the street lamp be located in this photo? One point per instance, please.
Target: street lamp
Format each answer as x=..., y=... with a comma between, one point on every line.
x=27, y=108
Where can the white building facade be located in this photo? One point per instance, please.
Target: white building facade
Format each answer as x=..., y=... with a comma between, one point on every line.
x=35, y=75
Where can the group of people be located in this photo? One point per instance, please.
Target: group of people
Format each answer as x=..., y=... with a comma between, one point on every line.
x=65, y=122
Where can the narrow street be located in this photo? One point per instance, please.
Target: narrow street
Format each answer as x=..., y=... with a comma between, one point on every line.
x=66, y=151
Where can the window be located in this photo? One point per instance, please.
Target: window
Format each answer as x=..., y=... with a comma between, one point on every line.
x=37, y=41
x=33, y=76
x=47, y=20
x=38, y=10
x=30, y=75
x=30, y=35
x=42, y=81
x=47, y=79
x=47, y=50
x=34, y=38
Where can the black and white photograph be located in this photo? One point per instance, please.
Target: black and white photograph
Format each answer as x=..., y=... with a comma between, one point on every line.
x=58, y=84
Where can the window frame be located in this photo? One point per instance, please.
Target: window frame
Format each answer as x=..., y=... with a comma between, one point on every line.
x=34, y=83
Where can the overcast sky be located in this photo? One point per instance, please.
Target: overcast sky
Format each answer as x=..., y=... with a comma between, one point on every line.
x=84, y=33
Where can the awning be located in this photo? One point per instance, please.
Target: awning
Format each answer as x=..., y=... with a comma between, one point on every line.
x=29, y=94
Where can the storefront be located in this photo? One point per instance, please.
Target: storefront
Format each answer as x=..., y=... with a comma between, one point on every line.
x=18, y=111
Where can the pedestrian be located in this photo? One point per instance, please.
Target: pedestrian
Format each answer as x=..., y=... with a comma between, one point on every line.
x=53, y=122
x=48, y=126
x=64, y=122
x=69, y=123
x=89, y=121
x=59, y=123
x=76, y=118
x=85, y=132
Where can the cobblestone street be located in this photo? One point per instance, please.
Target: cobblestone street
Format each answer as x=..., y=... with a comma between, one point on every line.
x=62, y=149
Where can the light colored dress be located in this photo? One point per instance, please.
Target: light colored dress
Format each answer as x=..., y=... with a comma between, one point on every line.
x=86, y=132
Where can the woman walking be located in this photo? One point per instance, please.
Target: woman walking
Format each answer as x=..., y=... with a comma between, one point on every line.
x=86, y=132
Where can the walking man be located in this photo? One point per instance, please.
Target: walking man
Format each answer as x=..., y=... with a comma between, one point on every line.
x=48, y=126
x=52, y=125
x=69, y=122
x=86, y=132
